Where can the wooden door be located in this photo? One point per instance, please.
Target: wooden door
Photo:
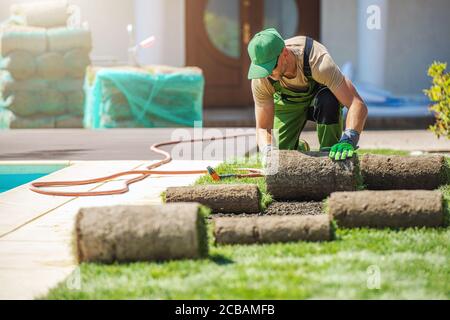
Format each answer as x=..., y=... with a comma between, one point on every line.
x=218, y=32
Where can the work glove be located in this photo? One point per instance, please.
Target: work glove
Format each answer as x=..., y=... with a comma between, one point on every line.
x=346, y=147
x=342, y=151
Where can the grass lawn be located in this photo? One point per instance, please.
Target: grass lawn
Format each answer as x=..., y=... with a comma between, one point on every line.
x=412, y=264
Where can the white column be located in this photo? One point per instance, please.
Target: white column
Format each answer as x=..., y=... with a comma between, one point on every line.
x=176, y=26
x=149, y=20
x=164, y=19
x=372, y=33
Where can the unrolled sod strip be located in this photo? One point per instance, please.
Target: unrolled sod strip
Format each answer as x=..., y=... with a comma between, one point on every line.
x=141, y=233
x=220, y=198
x=272, y=229
x=292, y=175
x=403, y=173
x=387, y=209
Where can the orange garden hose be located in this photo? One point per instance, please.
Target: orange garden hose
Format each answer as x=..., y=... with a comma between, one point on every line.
x=143, y=174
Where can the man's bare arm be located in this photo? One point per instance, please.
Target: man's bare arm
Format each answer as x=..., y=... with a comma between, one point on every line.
x=264, y=124
x=357, y=109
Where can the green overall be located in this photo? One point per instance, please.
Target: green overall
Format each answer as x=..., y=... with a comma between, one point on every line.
x=292, y=109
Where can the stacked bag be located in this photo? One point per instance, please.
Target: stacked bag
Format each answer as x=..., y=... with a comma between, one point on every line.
x=42, y=68
x=145, y=97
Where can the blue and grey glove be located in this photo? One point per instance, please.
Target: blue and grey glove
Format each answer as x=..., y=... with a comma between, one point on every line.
x=346, y=147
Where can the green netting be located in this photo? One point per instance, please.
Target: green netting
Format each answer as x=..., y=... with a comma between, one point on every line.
x=130, y=98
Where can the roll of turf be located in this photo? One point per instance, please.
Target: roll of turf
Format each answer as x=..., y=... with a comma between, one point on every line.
x=220, y=198
x=387, y=209
x=292, y=175
x=272, y=229
x=403, y=173
x=141, y=233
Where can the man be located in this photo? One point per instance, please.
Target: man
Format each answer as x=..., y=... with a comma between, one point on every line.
x=297, y=80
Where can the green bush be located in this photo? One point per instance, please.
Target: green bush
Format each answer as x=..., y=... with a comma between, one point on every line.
x=440, y=94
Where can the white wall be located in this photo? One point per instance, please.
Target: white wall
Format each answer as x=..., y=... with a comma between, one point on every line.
x=422, y=34
x=373, y=29
x=339, y=29
x=417, y=33
x=164, y=19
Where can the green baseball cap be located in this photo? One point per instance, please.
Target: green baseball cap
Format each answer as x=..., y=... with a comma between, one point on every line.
x=264, y=50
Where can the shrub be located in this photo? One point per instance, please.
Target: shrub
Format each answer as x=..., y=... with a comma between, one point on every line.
x=440, y=94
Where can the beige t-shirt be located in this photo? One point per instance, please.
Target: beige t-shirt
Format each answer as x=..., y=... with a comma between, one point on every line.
x=324, y=70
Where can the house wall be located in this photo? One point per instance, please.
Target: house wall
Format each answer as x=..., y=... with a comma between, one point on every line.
x=164, y=19
x=417, y=34
x=372, y=34
x=421, y=36
x=339, y=29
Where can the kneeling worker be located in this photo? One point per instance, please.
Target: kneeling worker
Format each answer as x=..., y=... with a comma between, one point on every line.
x=297, y=80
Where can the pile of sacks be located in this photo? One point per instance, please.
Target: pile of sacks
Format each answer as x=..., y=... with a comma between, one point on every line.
x=42, y=68
x=144, y=97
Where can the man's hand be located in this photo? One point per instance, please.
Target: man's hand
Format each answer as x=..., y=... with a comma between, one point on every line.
x=346, y=147
x=342, y=151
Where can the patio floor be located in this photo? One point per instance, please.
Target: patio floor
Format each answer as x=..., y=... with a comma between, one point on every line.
x=133, y=144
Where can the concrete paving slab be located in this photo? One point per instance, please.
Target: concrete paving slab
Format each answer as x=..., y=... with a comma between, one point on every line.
x=21, y=205
x=43, y=231
x=31, y=283
x=16, y=254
